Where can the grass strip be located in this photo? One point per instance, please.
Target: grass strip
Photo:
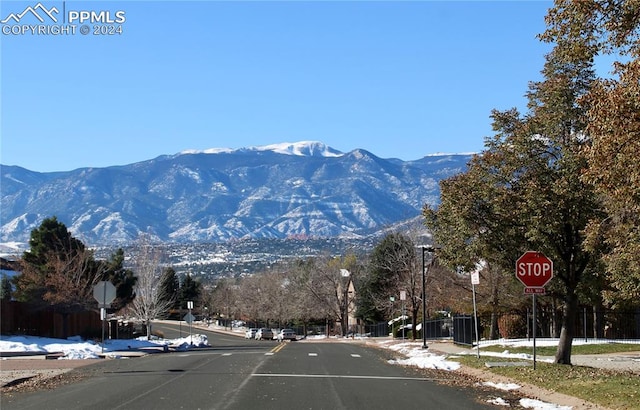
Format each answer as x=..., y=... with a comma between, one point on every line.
x=603, y=348
x=615, y=390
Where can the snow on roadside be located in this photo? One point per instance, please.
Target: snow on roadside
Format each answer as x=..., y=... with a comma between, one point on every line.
x=541, y=405
x=499, y=401
x=76, y=348
x=416, y=356
x=502, y=386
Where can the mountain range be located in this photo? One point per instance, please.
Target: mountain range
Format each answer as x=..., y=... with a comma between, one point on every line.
x=303, y=189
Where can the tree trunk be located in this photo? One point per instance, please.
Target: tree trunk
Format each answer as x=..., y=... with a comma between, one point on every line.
x=414, y=320
x=555, y=319
x=598, y=321
x=495, y=333
x=563, y=353
x=544, y=330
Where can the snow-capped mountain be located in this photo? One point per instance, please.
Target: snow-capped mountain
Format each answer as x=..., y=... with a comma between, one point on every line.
x=304, y=189
x=302, y=148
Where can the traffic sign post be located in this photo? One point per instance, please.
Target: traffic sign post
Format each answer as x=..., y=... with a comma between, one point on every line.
x=403, y=297
x=475, y=280
x=534, y=270
x=104, y=293
x=189, y=319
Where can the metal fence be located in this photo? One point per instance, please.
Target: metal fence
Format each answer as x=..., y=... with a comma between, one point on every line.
x=589, y=324
x=464, y=330
x=381, y=329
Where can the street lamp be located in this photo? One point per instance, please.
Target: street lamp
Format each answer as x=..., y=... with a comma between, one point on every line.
x=429, y=249
x=346, y=274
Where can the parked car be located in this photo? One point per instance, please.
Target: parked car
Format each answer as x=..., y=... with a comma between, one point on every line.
x=264, y=333
x=286, y=334
x=251, y=333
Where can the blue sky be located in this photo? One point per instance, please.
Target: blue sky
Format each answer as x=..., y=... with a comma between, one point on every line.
x=399, y=79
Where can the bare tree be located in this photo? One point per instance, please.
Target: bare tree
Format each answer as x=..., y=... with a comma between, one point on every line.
x=70, y=279
x=58, y=272
x=225, y=298
x=278, y=287
x=395, y=270
x=65, y=282
x=305, y=306
x=151, y=301
x=304, y=290
x=328, y=289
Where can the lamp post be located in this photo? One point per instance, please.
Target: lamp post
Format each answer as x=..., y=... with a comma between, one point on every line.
x=424, y=297
x=346, y=274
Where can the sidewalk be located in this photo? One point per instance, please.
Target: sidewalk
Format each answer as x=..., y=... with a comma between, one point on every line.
x=628, y=361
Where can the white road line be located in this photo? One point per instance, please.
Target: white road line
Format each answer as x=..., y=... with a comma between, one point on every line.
x=355, y=355
x=313, y=354
x=269, y=354
x=338, y=376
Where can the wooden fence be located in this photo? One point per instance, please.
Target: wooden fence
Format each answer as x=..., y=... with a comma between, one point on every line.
x=18, y=318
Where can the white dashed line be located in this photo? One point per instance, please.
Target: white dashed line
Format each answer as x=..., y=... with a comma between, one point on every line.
x=337, y=376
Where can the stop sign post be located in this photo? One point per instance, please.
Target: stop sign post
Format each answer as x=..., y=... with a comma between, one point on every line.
x=104, y=293
x=534, y=270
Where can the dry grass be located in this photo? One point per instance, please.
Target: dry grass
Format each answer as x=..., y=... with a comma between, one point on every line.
x=577, y=349
x=611, y=389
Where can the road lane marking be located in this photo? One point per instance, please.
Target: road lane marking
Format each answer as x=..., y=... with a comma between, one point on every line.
x=231, y=396
x=339, y=376
x=210, y=353
x=313, y=354
x=276, y=349
x=355, y=355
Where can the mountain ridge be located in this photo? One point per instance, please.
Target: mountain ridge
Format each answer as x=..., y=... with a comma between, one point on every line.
x=279, y=190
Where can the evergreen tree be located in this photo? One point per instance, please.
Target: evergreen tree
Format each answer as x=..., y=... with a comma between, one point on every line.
x=6, y=288
x=190, y=290
x=391, y=267
x=52, y=236
x=170, y=285
x=123, y=279
x=50, y=241
x=58, y=272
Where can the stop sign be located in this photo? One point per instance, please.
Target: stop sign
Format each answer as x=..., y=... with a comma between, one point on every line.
x=104, y=292
x=534, y=269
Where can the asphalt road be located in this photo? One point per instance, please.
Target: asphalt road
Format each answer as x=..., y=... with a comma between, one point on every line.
x=235, y=373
